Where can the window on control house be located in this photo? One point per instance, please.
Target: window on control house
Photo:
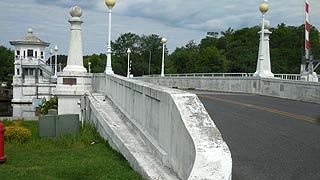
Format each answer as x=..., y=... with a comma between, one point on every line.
x=30, y=53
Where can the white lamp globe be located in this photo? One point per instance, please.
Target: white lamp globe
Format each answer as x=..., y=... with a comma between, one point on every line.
x=164, y=40
x=110, y=3
x=56, y=48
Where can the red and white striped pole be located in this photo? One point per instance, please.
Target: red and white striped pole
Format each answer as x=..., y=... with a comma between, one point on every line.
x=307, y=46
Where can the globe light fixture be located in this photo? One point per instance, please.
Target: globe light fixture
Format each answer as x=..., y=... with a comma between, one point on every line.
x=50, y=63
x=264, y=7
x=110, y=3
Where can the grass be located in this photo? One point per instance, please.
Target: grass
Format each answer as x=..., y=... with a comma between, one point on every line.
x=71, y=157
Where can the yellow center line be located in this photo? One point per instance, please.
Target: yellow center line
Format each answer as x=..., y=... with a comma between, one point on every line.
x=296, y=116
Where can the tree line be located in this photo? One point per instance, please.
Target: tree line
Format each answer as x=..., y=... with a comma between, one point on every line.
x=232, y=51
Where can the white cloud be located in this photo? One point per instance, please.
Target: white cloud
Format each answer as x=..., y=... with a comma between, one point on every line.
x=178, y=20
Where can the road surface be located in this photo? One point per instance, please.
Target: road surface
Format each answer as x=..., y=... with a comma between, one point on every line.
x=269, y=138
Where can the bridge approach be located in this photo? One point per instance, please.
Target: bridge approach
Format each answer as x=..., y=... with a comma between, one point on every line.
x=271, y=125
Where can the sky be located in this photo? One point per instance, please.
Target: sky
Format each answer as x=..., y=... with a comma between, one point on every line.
x=178, y=20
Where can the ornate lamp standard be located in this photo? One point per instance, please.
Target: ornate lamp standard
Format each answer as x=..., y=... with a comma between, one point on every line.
x=128, y=52
x=263, y=69
x=164, y=41
x=51, y=52
x=56, y=49
x=109, y=4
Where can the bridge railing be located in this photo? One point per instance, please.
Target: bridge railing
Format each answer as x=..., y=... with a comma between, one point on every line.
x=205, y=75
x=289, y=88
x=295, y=77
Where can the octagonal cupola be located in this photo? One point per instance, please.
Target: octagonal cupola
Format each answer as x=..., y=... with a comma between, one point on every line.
x=30, y=46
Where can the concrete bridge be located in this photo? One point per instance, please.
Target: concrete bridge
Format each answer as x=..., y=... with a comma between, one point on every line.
x=169, y=127
x=167, y=133
x=270, y=125
x=164, y=133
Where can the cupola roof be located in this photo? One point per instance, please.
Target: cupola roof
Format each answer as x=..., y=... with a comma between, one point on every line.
x=29, y=39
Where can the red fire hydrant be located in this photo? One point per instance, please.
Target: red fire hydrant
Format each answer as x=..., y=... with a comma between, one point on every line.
x=3, y=157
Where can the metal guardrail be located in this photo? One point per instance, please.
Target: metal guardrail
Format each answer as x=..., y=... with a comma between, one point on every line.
x=296, y=77
x=205, y=75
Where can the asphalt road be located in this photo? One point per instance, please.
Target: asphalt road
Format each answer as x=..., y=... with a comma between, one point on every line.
x=269, y=138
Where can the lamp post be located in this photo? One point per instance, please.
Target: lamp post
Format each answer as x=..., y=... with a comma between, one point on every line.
x=89, y=63
x=149, y=60
x=263, y=69
x=164, y=41
x=51, y=52
x=128, y=52
x=110, y=4
x=56, y=49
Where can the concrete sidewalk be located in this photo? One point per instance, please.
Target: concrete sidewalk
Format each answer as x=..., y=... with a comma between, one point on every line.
x=123, y=136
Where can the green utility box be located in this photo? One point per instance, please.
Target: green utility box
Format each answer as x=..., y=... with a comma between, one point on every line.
x=67, y=124
x=54, y=125
x=47, y=126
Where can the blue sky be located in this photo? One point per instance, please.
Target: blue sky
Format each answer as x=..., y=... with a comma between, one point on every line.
x=178, y=20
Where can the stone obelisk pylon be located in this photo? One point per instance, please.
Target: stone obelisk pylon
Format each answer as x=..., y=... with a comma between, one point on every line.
x=75, y=59
x=74, y=81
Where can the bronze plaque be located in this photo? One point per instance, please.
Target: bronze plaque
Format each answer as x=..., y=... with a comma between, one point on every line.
x=70, y=81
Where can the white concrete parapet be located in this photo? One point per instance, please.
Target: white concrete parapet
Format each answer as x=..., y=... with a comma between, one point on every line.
x=99, y=83
x=295, y=90
x=175, y=128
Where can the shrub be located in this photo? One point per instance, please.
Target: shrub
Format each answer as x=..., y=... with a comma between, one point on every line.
x=17, y=122
x=46, y=105
x=17, y=134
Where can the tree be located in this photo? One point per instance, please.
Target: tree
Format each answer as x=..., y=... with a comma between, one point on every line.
x=242, y=50
x=287, y=47
x=152, y=51
x=184, y=58
x=98, y=62
x=211, y=60
x=144, y=49
x=119, y=52
x=6, y=65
